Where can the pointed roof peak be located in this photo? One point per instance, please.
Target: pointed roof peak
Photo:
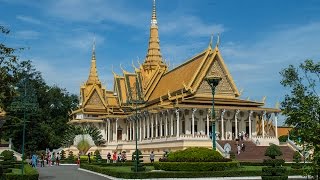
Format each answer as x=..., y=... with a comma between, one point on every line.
x=93, y=75
x=154, y=15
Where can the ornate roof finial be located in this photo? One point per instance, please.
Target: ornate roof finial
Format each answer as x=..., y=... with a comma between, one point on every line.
x=93, y=76
x=210, y=44
x=154, y=14
x=218, y=40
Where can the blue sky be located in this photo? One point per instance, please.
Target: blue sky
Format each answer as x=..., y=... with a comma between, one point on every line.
x=258, y=38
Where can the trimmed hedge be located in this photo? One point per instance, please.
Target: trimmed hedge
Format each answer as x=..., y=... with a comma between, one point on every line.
x=30, y=174
x=196, y=154
x=176, y=174
x=273, y=162
x=195, y=166
x=274, y=171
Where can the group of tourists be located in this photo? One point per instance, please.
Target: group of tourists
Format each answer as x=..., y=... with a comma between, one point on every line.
x=48, y=158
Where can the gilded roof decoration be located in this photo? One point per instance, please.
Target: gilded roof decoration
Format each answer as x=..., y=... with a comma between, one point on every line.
x=151, y=82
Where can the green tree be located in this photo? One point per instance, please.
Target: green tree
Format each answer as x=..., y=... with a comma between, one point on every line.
x=302, y=107
x=273, y=151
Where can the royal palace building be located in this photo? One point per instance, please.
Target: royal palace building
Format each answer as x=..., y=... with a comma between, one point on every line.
x=172, y=108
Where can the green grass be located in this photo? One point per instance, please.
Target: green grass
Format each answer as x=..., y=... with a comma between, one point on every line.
x=27, y=170
x=126, y=168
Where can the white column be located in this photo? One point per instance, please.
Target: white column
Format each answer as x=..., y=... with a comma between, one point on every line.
x=130, y=136
x=171, y=123
x=148, y=126
x=263, y=118
x=133, y=129
x=193, y=112
x=236, y=123
x=208, y=124
x=156, y=118
x=166, y=123
x=222, y=124
x=108, y=130
x=250, y=126
x=127, y=127
x=140, y=128
x=178, y=119
x=144, y=127
x=276, y=123
x=117, y=130
x=161, y=122
x=152, y=135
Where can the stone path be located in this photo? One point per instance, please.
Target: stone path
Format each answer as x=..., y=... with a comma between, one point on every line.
x=66, y=173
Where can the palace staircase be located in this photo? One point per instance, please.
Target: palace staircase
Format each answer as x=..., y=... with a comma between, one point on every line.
x=254, y=153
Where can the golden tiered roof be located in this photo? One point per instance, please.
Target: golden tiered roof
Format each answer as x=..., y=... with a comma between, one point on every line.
x=181, y=87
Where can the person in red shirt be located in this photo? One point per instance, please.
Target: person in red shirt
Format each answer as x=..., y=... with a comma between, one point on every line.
x=114, y=157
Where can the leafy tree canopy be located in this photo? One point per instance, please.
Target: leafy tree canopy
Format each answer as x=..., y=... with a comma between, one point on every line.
x=302, y=105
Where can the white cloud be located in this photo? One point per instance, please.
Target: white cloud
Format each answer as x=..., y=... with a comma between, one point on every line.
x=96, y=11
x=28, y=19
x=27, y=34
x=82, y=40
x=189, y=25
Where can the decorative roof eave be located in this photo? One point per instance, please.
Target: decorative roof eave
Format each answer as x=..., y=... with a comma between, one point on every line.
x=199, y=106
x=80, y=121
x=220, y=102
x=192, y=84
x=115, y=116
x=233, y=85
x=99, y=94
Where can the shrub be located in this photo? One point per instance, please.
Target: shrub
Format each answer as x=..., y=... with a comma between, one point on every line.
x=7, y=155
x=63, y=155
x=195, y=166
x=273, y=151
x=273, y=162
x=283, y=138
x=97, y=155
x=70, y=156
x=196, y=154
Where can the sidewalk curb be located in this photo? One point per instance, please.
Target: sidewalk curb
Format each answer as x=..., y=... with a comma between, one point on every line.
x=206, y=178
x=99, y=174
x=68, y=164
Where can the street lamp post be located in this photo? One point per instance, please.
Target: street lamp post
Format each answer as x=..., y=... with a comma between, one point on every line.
x=213, y=82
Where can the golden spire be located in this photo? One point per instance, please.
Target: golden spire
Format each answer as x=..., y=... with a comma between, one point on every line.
x=93, y=76
x=153, y=57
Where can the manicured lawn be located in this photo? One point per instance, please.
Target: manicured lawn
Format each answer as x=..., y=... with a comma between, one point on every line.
x=126, y=168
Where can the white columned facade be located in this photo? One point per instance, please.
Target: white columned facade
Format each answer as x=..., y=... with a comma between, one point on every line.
x=193, y=112
x=208, y=124
x=171, y=123
x=117, y=130
x=148, y=126
x=127, y=127
x=152, y=135
x=276, y=123
x=263, y=118
x=161, y=122
x=178, y=119
x=156, y=119
x=133, y=129
x=236, y=123
x=166, y=123
x=250, y=126
x=144, y=126
x=108, y=130
x=130, y=123
x=222, y=124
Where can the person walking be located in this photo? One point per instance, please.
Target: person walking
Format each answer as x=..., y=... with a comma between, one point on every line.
x=42, y=160
x=108, y=157
x=243, y=147
x=152, y=157
x=53, y=158
x=58, y=159
x=89, y=160
x=114, y=157
x=238, y=148
x=78, y=159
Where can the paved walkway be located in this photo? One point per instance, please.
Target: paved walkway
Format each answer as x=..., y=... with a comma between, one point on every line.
x=66, y=173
